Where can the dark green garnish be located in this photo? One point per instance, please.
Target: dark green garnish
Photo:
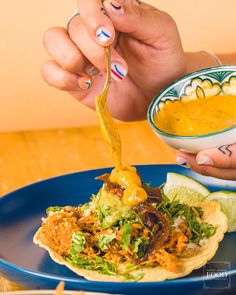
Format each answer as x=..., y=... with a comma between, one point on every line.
x=98, y=264
x=53, y=209
x=77, y=244
x=191, y=215
x=139, y=246
x=106, y=239
x=125, y=238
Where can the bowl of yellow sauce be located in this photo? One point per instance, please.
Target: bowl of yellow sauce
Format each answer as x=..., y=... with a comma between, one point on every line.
x=198, y=111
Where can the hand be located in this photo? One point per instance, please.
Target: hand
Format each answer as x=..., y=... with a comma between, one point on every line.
x=220, y=162
x=147, y=53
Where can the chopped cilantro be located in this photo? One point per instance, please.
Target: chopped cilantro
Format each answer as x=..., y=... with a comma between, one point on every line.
x=192, y=216
x=139, y=246
x=147, y=185
x=103, y=266
x=133, y=277
x=104, y=209
x=53, y=209
x=77, y=244
x=99, y=264
x=125, y=238
x=105, y=239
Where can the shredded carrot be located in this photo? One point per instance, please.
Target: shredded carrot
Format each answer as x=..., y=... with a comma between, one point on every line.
x=177, y=243
x=137, y=226
x=166, y=260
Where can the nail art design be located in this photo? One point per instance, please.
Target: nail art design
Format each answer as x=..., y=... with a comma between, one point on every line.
x=118, y=72
x=117, y=8
x=204, y=160
x=88, y=84
x=103, y=35
x=182, y=162
x=84, y=83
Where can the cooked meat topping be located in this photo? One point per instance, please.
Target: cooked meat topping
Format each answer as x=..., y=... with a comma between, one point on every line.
x=58, y=230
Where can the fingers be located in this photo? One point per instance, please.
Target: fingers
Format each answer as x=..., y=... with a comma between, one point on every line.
x=95, y=52
x=189, y=161
x=57, y=77
x=222, y=157
x=98, y=25
x=142, y=21
x=62, y=49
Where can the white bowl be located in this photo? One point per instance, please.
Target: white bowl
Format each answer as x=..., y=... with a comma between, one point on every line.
x=211, y=81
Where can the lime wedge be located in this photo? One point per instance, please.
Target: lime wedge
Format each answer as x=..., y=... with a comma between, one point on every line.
x=184, y=188
x=227, y=201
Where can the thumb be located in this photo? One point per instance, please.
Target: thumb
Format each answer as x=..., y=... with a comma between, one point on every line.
x=221, y=157
x=142, y=21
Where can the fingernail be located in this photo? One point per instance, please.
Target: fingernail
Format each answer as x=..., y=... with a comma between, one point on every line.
x=182, y=162
x=204, y=160
x=118, y=72
x=84, y=83
x=92, y=70
x=117, y=8
x=103, y=35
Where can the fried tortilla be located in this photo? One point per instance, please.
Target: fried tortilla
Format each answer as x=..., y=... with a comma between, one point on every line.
x=194, y=260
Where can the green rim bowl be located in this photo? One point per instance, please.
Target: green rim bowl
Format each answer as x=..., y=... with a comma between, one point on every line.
x=207, y=82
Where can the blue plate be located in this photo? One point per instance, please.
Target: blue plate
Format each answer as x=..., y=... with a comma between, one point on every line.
x=30, y=266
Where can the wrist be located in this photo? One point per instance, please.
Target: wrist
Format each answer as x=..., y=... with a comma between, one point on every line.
x=200, y=60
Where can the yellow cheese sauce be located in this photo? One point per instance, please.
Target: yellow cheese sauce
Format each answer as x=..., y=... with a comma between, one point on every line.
x=124, y=176
x=197, y=117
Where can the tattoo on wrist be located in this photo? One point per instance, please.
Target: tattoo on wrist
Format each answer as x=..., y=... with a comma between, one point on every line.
x=226, y=150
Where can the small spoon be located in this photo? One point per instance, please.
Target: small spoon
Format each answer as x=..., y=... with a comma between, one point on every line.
x=107, y=124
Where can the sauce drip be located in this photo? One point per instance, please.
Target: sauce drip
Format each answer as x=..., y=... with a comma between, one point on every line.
x=197, y=117
x=124, y=176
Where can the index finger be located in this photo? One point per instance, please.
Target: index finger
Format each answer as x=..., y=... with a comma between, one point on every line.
x=97, y=23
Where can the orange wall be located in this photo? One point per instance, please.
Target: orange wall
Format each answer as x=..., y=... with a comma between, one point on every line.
x=26, y=102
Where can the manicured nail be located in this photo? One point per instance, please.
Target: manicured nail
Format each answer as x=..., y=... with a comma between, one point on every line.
x=92, y=70
x=204, y=160
x=84, y=83
x=182, y=162
x=103, y=35
x=118, y=72
x=117, y=8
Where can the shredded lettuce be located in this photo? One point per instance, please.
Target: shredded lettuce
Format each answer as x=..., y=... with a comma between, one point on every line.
x=98, y=264
x=105, y=239
x=125, y=238
x=77, y=244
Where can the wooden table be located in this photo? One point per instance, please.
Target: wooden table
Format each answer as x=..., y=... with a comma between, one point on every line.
x=26, y=157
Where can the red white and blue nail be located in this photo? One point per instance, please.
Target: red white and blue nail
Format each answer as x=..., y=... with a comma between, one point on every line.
x=103, y=35
x=118, y=72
